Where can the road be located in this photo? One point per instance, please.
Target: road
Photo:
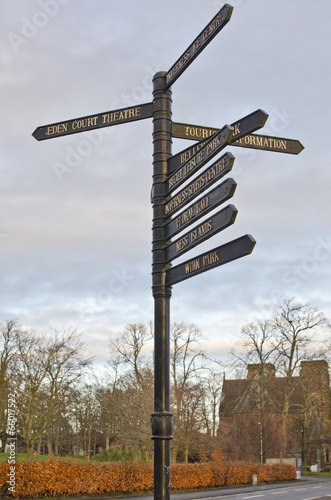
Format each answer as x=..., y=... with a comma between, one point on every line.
x=304, y=489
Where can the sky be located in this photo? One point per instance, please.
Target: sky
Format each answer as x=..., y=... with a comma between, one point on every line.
x=75, y=242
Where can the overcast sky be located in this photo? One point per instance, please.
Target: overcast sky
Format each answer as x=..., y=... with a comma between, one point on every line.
x=76, y=246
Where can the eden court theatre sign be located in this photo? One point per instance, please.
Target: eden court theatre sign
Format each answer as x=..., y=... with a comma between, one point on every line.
x=92, y=122
x=186, y=187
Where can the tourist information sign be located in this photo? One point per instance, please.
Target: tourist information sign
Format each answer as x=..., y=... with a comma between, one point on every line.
x=202, y=232
x=209, y=260
x=91, y=122
x=207, y=34
x=253, y=141
x=246, y=125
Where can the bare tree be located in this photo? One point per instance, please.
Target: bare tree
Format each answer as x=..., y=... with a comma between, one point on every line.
x=45, y=369
x=279, y=343
x=130, y=344
x=8, y=352
x=133, y=390
x=186, y=358
x=295, y=326
x=258, y=350
x=67, y=365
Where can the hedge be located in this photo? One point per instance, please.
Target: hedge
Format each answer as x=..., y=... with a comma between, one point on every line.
x=58, y=477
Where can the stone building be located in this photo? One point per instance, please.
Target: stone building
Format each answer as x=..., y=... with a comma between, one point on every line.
x=265, y=416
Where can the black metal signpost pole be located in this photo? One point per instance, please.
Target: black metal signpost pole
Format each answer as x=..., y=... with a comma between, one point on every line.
x=161, y=417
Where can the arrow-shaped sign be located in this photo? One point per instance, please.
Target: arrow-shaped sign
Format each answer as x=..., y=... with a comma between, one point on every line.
x=252, y=141
x=211, y=175
x=209, y=260
x=246, y=125
x=201, y=207
x=91, y=122
x=207, y=34
x=198, y=234
x=197, y=158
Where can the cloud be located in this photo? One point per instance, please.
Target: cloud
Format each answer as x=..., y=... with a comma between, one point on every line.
x=75, y=212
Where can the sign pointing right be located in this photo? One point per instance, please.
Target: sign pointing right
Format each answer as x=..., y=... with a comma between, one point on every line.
x=242, y=127
x=207, y=34
x=252, y=141
x=209, y=260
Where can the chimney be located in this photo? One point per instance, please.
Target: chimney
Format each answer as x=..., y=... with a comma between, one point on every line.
x=256, y=370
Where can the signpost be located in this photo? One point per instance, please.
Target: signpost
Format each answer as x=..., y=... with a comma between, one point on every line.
x=174, y=211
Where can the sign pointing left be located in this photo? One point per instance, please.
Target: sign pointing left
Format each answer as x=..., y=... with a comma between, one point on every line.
x=91, y=122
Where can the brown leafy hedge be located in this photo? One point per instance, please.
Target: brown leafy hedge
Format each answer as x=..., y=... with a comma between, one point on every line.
x=57, y=477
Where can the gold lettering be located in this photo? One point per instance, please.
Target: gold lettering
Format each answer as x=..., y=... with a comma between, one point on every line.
x=174, y=179
x=213, y=145
x=198, y=132
x=194, y=162
x=56, y=129
x=184, y=157
x=193, y=265
x=210, y=258
x=236, y=130
x=178, y=66
x=202, y=204
x=82, y=123
x=121, y=115
x=281, y=144
x=182, y=243
x=185, y=217
x=176, y=201
x=196, y=44
x=205, y=228
x=212, y=26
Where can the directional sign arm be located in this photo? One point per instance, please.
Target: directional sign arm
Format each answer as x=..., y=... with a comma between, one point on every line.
x=91, y=122
x=200, y=208
x=185, y=165
x=269, y=143
x=209, y=260
x=207, y=34
x=242, y=127
x=252, y=141
x=206, y=179
x=221, y=220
